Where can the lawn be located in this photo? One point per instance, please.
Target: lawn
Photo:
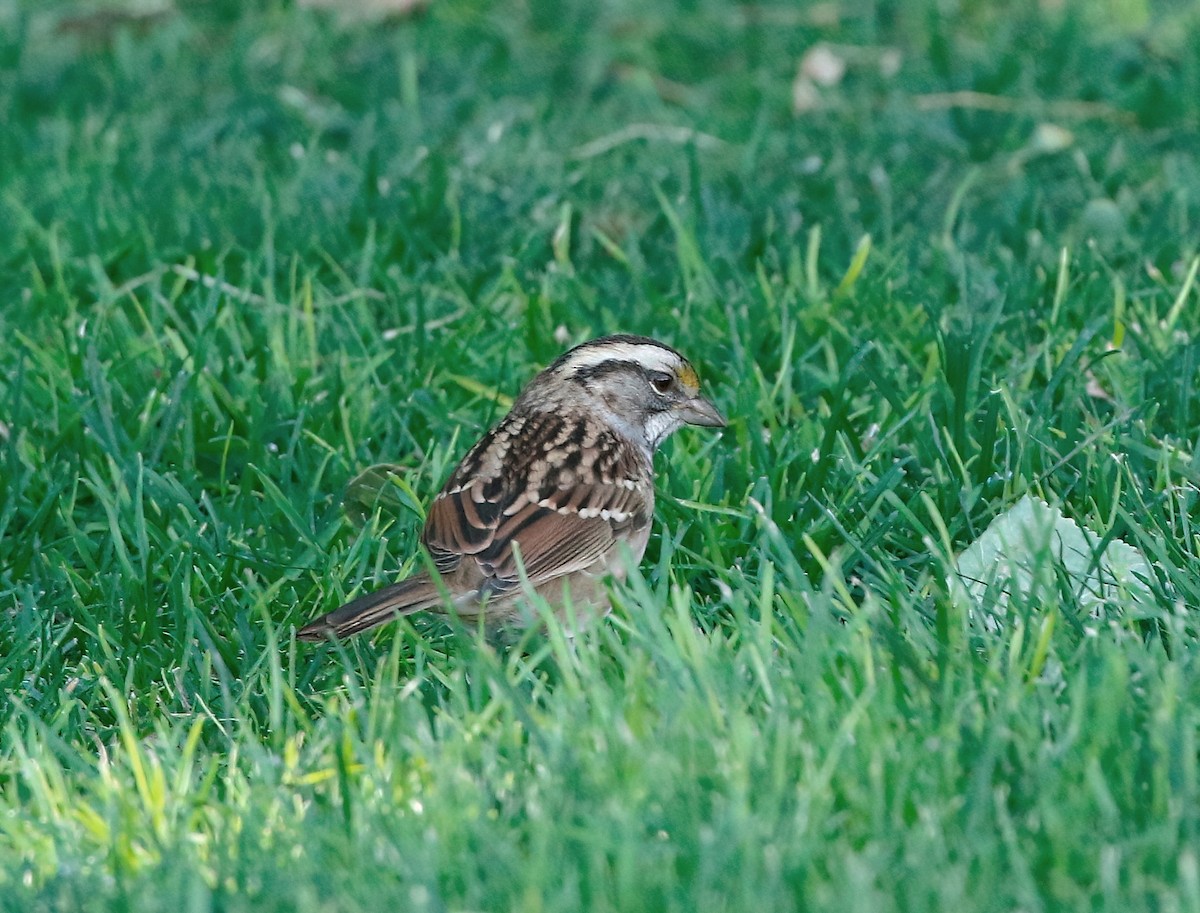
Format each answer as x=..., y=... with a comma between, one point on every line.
x=930, y=257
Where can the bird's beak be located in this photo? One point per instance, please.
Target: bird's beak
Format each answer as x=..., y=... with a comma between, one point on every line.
x=699, y=411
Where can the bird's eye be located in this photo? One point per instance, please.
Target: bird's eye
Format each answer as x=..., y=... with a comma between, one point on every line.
x=661, y=381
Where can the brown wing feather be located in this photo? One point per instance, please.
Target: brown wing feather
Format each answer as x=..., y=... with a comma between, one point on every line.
x=558, y=523
x=550, y=544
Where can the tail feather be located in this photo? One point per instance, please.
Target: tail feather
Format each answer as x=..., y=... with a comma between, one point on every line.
x=376, y=608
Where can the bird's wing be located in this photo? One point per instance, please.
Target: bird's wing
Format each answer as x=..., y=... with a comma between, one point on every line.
x=560, y=514
x=556, y=533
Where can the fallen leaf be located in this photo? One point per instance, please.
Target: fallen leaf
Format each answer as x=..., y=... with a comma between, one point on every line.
x=805, y=95
x=1027, y=550
x=381, y=486
x=823, y=65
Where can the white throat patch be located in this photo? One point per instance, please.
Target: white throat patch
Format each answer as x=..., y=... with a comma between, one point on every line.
x=660, y=426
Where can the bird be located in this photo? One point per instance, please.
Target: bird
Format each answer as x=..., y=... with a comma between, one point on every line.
x=560, y=491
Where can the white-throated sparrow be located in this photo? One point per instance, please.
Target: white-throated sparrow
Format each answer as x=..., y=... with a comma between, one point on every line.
x=557, y=485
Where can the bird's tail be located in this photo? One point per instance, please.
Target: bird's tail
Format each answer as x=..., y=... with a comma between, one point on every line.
x=373, y=609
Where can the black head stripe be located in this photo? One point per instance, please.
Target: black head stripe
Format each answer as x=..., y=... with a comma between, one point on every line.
x=590, y=372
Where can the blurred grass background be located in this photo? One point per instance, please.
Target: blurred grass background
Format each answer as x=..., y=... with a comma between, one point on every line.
x=929, y=256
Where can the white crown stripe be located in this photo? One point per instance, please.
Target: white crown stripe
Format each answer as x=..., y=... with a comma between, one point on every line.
x=653, y=358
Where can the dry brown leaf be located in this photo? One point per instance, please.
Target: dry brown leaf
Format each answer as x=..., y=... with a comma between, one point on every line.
x=368, y=10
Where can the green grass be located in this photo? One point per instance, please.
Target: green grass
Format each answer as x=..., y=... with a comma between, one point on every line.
x=248, y=252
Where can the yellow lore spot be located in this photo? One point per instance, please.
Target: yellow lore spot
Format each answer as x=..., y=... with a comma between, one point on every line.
x=687, y=376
